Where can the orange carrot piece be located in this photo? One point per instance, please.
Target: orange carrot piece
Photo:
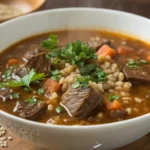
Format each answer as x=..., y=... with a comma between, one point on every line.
x=113, y=105
x=148, y=58
x=51, y=86
x=106, y=50
x=124, y=50
x=12, y=62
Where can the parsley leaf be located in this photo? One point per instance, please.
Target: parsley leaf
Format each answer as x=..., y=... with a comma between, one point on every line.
x=59, y=109
x=77, y=52
x=55, y=53
x=143, y=61
x=41, y=91
x=32, y=100
x=7, y=74
x=25, y=81
x=132, y=63
x=51, y=42
x=56, y=75
x=94, y=71
x=135, y=64
x=111, y=98
x=82, y=81
x=15, y=95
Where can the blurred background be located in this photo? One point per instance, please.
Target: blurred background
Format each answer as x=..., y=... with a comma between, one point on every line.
x=13, y=8
x=140, y=7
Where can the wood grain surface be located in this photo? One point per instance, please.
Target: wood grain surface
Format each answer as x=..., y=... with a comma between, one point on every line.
x=141, y=7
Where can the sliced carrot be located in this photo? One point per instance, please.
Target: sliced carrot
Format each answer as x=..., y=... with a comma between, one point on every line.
x=51, y=86
x=12, y=62
x=106, y=50
x=148, y=58
x=125, y=50
x=113, y=105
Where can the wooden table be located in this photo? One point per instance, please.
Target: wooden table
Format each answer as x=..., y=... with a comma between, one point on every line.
x=141, y=7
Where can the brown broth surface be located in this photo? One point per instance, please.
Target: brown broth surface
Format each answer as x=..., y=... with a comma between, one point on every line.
x=18, y=50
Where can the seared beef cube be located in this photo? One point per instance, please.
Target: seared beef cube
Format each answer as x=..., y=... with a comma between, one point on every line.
x=117, y=113
x=97, y=42
x=5, y=94
x=39, y=63
x=33, y=50
x=21, y=71
x=80, y=102
x=29, y=111
x=138, y=75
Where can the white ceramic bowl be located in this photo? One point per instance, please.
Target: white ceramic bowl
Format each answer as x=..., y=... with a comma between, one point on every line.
x=54, y=137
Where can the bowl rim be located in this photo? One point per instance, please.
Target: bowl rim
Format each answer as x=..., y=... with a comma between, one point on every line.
x=30, y=122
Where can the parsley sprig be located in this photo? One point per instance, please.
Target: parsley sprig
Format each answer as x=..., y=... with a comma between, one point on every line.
x=96, y=74
x=32, y=100
x=56, y=75
x=51, y=42
x=74, y=53
x=111, y=98
x=25, y=81
x=82, y=81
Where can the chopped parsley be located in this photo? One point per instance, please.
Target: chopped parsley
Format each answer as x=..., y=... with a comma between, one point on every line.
x=51, y=42
x=143, y=61
x=111, y=98
x=25, y=81
x=32, y=100
x=41, y=91
x=7, y=74
x=59, y=109
x=82, y=81
x=77, y=52
x=135, y=64
x=26, y=89
x=96, y=74
x=15, y=95
x=56, y=75
x=74, y=53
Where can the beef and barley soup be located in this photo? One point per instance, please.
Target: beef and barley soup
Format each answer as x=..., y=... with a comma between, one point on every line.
x=77, y=77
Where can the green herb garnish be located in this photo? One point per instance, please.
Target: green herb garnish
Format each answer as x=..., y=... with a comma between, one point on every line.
x=74, y=53
x=135, y=64
x=32, y=100
x=41, y=91
x=94, y=72
x=111, y=98
x=15, y=95
x=143, y=61
x=82, y=81
x=77, y=52
x=7, y=74
x=25, y=81
x=59, y=109
x=56, y=75
x=51, y=42
x=132, y=63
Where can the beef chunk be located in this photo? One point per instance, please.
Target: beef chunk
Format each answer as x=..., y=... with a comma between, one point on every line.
x=138, y=75
x=39, y=63
x=5, y=94
x=33, y=50
x=97, y=42
x=80, y=102
x=29, y=111
x=117, y=113
x=21, y=71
